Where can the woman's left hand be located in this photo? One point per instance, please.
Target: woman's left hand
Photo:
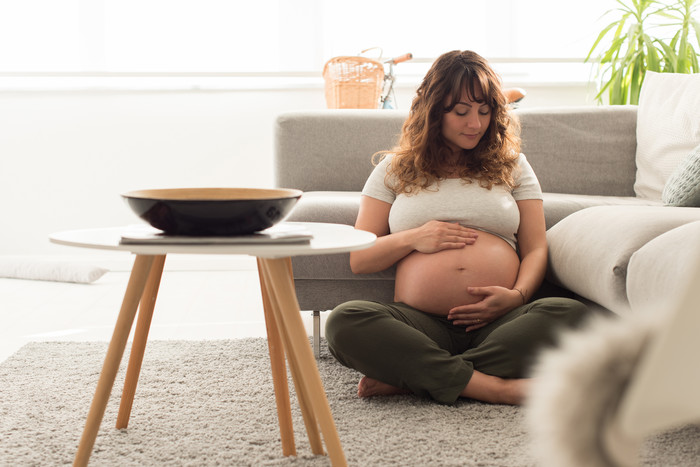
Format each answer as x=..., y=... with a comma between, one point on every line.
x=495, y=302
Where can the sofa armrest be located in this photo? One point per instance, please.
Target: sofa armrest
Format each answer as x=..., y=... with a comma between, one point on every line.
x=659, y=270
x=335, y=207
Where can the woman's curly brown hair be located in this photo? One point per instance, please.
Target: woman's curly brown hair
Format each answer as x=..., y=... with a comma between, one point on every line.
x=422, y=150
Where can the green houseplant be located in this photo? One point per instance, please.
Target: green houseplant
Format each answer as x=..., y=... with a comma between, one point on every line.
x=634, y=46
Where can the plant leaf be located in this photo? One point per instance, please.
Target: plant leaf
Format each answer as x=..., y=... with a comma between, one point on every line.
x=616, y=91
x=614, y=50
x=696, y=28
x=670, y=57
x=600, y=37
x=636, y=79
x=653, y=62
x=634, y=47
x=693, y=60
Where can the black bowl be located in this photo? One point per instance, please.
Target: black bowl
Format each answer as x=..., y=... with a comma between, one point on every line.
x=212, y=211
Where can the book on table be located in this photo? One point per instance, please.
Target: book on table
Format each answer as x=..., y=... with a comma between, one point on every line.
x=280, y=233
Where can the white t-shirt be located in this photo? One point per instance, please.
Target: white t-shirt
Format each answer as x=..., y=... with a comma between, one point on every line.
x=454, y=200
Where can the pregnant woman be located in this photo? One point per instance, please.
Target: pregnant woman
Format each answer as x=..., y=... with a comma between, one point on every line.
x=458, y=210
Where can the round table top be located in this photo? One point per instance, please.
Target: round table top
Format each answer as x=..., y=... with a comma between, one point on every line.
x=326, y=239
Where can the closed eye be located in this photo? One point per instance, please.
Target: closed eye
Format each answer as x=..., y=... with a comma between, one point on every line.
x=462, y=109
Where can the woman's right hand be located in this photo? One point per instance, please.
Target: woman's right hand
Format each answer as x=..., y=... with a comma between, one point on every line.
x=389, y=248
x=434, y=236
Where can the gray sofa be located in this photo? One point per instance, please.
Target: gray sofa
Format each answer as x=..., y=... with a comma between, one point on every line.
x=607, y=246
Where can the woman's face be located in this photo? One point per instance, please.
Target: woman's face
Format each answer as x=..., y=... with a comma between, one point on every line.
x=465, y=125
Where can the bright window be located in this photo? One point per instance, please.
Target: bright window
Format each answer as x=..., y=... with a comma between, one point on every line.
x=280, y=35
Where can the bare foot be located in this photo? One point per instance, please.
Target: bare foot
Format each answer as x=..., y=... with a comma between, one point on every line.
x=515, y=391
x=369, y=387
x=496, y=390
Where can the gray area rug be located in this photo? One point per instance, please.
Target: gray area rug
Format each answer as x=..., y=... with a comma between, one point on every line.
x=211, y=403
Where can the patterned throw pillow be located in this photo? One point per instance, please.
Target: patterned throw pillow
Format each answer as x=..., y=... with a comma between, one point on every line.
x=683, y=186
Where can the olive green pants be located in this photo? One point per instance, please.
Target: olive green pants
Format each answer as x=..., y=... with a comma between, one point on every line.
x=429, y=356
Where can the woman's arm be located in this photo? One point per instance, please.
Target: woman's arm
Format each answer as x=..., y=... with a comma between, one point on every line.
x=390, y=248
x=532, y=241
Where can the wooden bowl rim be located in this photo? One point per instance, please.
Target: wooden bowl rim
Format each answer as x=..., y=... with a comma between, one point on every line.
x=213, y=194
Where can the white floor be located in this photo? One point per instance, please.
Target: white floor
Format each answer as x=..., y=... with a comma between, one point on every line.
x=191, y=305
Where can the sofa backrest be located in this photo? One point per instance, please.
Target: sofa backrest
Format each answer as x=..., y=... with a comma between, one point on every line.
x=583, y=150
x=331, y=150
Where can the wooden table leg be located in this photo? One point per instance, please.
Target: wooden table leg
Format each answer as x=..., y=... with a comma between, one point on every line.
x=115, y=351
x=279, y=372
x=280, y=284
x=316, y=318
x=138, y=347
x=310, y=422
x=307, y=412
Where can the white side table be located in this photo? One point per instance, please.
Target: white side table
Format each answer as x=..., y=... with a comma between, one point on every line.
x=285, y=329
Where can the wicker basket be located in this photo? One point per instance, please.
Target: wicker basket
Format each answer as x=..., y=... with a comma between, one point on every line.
x=353, y=82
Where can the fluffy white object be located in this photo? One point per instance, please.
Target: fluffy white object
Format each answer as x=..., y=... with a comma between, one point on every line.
x=50, y=270
x=576, y=392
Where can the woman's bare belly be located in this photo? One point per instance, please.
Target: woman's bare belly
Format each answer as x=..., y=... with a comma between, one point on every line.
x=437, y=282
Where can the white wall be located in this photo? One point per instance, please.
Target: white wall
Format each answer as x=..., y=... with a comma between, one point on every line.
x=67, y=155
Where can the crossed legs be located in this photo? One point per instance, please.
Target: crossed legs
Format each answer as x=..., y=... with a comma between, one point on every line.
x=401, y=349
x=481, y=387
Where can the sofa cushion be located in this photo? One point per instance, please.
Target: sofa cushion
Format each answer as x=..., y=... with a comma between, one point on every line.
x=333, y=267
x=582, y=150
x=337, y=207
x=589, y=251
x=322, y=294
x=557, y=206
x=341, y=207
x=659, y=268
x=668, y=128
x=683, y=186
